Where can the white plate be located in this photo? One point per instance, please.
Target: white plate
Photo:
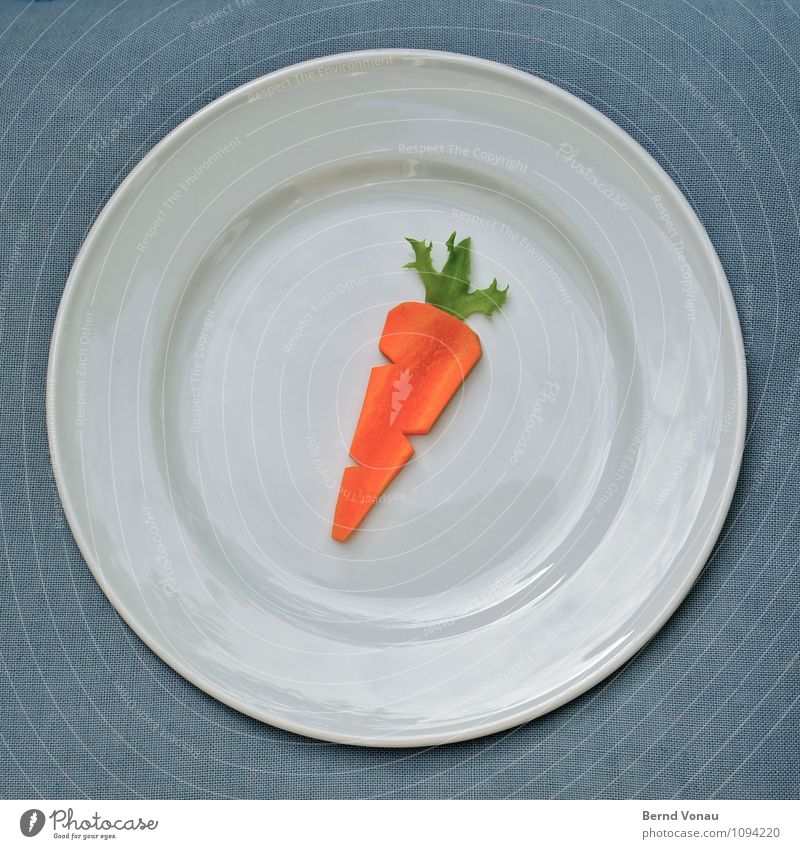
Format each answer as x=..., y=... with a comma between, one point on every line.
x=211, y=353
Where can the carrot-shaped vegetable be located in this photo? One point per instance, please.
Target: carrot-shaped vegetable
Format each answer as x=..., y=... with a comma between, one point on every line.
x=431, y=350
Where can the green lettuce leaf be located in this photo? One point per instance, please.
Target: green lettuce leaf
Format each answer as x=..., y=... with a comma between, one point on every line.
x=449, y=288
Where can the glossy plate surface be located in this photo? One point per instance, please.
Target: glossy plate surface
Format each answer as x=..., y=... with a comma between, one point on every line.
x=211, y=353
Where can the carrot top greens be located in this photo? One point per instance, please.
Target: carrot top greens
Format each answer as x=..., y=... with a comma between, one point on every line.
x=449, y=289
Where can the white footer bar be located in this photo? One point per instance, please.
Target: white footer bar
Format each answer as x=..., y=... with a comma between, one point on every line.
x=400, y=825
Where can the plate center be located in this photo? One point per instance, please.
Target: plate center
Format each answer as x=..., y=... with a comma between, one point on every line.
x=266, y=372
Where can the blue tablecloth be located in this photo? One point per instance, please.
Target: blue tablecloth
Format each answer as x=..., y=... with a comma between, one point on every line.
x=711, y=89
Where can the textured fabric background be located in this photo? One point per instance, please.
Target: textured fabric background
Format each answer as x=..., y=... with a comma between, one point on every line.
x=711, y=89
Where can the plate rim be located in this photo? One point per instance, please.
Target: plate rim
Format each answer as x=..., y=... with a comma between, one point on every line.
x=728, y=311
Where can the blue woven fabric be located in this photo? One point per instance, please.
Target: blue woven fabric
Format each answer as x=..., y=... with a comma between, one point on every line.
x=708, y=707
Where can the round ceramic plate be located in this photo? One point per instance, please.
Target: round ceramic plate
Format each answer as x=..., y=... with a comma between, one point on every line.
x=210, y=358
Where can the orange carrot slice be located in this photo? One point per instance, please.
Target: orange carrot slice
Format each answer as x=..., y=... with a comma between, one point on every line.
x=431, y=351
